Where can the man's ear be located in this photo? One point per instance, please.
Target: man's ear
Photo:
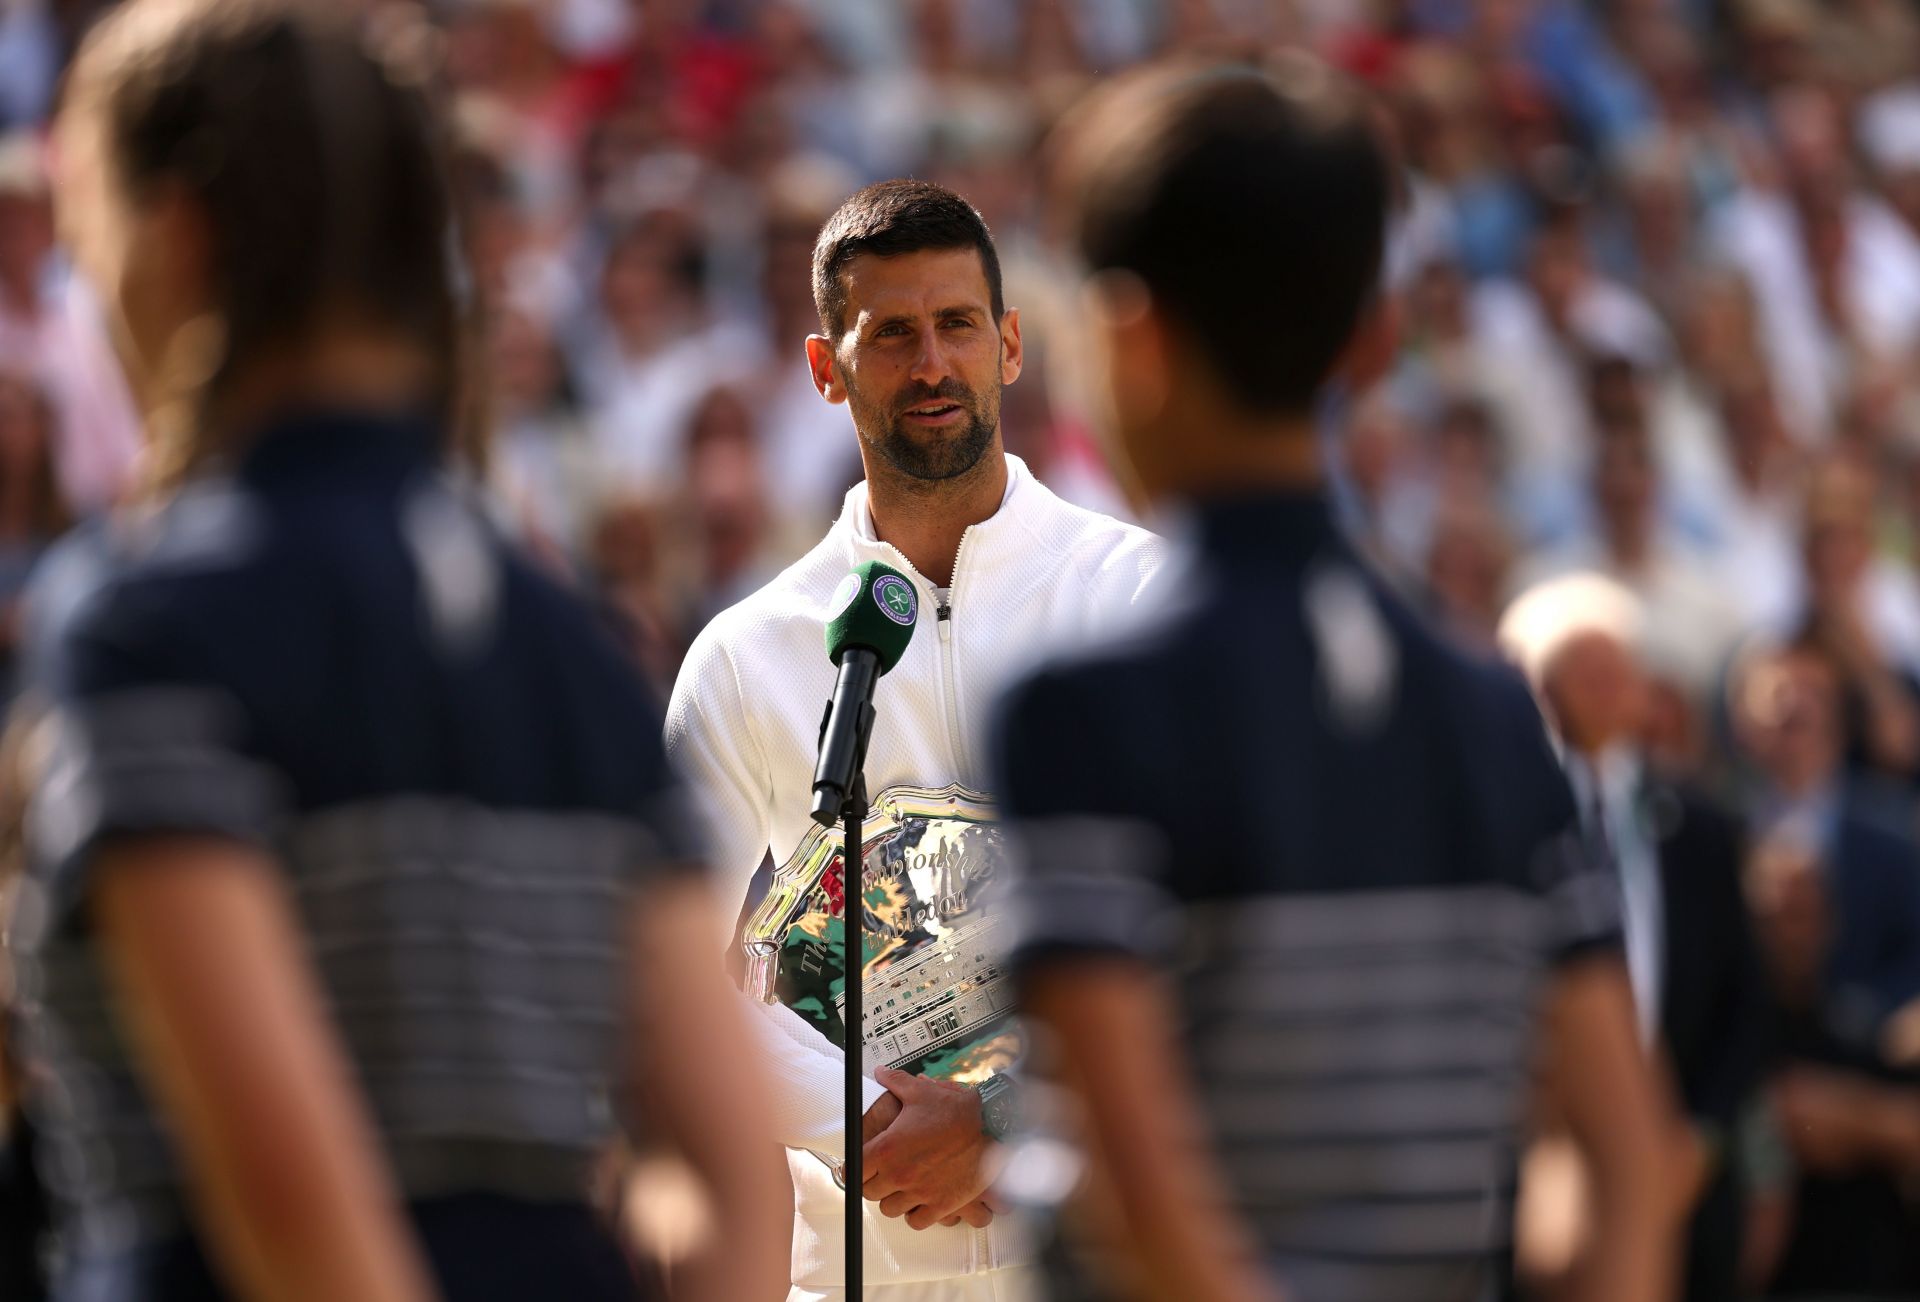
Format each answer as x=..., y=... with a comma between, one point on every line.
x=825, y=369
x=1012, y=352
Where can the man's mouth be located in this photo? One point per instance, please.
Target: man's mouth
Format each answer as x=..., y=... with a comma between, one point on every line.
x=935, y=413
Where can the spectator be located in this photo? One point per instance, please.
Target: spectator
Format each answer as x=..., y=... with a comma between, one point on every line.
x=1786, y=712
x=1697, y=982
x=734, y=544
x=51, y=326
x=1862, y=616
x=542, y=463
x=1691, y=627
x=1534, y=337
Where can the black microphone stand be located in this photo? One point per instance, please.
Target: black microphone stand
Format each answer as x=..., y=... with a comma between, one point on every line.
x=853, y=929
x=853, y=918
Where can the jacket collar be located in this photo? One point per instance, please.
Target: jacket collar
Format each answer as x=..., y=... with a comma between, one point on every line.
x=1004, y=534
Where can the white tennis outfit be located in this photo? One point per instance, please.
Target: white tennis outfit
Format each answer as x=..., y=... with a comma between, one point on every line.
x=744, y=725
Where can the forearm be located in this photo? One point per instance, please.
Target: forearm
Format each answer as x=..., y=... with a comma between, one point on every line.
x=1628, y=1253
x=808, y=1075
x=232, y=1034
x=1112, y=1023
x=1599, y=1081
x=312, y=1239
x=711, y=1107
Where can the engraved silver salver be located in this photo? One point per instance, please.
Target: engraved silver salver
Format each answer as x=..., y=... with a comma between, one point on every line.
x=938, y=997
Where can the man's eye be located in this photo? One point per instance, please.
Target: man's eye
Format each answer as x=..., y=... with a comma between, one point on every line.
x=961, y=321
x=889, y=332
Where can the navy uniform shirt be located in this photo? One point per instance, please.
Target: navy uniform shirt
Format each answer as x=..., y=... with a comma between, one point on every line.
x=329, y=654
x=1354, y=846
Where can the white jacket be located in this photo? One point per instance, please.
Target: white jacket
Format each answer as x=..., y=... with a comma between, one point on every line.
x=743, y=726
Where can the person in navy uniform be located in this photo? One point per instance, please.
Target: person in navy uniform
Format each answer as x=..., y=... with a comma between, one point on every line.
x=360, y=914
x=1350, y=840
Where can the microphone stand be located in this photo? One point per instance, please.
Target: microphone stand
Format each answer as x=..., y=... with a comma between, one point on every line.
x=853, y=930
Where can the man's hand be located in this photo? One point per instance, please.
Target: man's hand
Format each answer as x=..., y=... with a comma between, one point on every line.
x=979, y=1213
x=928, y=1165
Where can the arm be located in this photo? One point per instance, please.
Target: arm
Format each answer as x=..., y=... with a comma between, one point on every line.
x=713, y=746
x=227, y=1023
x=1113, y=1026
x=711, y=1109
x=1839, y=1122
x=1597, y=1080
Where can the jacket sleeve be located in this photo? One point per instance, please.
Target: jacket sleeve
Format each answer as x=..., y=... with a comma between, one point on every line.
x=711, y=742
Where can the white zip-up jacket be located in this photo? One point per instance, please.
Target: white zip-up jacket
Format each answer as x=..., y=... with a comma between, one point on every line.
x=744, y=725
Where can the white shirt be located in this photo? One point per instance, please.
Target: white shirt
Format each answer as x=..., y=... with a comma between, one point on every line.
x=743, y=726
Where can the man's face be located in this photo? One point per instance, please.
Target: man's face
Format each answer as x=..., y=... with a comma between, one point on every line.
x=1787, y=716
x=921, y=362
x=1596, y=692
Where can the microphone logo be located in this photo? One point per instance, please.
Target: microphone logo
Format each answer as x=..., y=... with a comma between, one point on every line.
x=845, y=595
x=897, y=599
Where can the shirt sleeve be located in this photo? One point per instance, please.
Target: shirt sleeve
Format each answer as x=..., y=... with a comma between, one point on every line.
x=711, y=743
x=1090, y=866
x=1573, y=874
x=138, y=740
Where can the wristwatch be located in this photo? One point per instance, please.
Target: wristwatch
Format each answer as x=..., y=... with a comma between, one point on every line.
x=999, y=1106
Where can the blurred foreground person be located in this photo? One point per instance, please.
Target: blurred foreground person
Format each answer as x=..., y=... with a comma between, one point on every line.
x=1352, y=840
x=355, y=873
x=1697, y=984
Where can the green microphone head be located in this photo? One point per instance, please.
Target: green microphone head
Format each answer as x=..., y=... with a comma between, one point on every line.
x=874, y=607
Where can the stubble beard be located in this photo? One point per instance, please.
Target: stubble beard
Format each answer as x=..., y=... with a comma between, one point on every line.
x=935, y=458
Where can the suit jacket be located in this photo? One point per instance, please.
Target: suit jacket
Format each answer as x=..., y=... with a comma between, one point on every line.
x=1873, y=966
x=1715, y=1015
x=1714, y=1010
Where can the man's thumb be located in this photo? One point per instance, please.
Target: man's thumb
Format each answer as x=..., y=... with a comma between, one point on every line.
x=899, y=1082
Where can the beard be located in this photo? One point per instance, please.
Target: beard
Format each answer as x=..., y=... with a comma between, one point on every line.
x=932, y=455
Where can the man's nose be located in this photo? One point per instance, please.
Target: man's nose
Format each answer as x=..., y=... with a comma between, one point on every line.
x=930, y=363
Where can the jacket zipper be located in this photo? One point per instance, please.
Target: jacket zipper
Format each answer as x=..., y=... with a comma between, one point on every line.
x=945, y=619
x=949, y=683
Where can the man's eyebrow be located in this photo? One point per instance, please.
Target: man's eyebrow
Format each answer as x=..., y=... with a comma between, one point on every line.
x=908, y=318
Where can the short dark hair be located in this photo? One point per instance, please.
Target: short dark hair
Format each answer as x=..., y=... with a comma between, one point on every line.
x=889, y=219
x=1251, y=202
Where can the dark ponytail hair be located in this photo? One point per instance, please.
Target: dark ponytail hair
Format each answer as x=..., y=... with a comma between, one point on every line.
x=320, y=164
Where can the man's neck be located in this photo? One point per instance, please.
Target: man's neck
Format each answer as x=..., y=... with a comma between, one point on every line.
x=1225, y=455
x=926, y=519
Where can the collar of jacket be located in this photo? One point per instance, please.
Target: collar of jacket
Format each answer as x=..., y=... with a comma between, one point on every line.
x=1004, y=538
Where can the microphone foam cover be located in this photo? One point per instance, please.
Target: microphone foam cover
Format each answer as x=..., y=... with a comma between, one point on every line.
x=874, y=607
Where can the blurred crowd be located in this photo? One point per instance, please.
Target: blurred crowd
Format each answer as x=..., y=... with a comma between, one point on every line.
x=1656, y=265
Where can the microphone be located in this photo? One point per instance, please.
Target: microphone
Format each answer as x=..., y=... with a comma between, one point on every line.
x=877, y=608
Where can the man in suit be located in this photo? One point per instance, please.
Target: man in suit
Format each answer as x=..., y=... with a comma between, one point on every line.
x=1786, y=708
x=1698, y=987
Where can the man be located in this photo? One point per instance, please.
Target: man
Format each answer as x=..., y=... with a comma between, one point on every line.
x=1353, y=838
x=916, y=341
x=1787, y=711
x=1697, y=983
x=1837, y=907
